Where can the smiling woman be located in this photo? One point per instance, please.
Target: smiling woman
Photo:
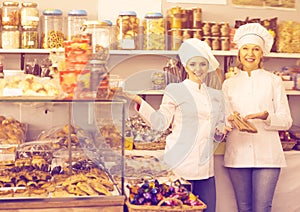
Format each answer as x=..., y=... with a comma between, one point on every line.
x=258, y=97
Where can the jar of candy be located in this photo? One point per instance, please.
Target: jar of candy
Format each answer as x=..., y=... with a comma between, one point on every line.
x=10, y=37
x=127, y=30
x=99, y=34
x=29, y=37
x=10, y=13
x=52, y=29
x=154, y=32
x=30, y=14
x=76, y=18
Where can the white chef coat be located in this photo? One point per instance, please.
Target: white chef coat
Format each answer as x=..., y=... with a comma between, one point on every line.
x=262, y=91
x=193, y=114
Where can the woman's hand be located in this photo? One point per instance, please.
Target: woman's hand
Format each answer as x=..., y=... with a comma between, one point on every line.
x=262, y=115
x=133, y=97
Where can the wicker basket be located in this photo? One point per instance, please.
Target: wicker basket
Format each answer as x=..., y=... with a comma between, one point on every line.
x=149, y=145
x=288, y=145
x=155, y=208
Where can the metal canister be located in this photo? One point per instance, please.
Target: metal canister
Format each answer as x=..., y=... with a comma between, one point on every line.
x=154, y=32
x=128, y=30
x=186, y=34
x=187, y=19
x=224, y=29
x=176, y=18
x=215, y=29
x=225, y=43
x=215, y=43
x=176, y=38
x=197, y=33
x=206, y=28
x=197, y=18
x=207, y=39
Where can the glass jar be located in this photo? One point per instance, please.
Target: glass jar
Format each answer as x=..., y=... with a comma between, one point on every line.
x=154, y=31
x=30, y=14
x=112, y=34
x=52, y=29
x=29, y=37
x=127, y=30
x=10, y=37
x=10, y=13
x=98, y=32
x=76, y=18
x=93, y=82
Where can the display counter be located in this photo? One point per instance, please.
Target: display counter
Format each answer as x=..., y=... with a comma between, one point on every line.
x=83, y=204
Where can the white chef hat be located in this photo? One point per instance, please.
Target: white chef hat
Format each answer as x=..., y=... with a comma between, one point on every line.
x=194, y=47
x=254, y=33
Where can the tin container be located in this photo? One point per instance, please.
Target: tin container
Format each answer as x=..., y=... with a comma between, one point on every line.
x=207, y=39
x=214, y=29
x=127, y=30
x=154, y=32
x=76, y=18
x=225, y=43
x=52, y=29
x=187, y=19
x=10, y=13
x=215, y=43
x=224, y=29
x=197, y=18
x=197, y=33
x=176, y=38
x=206, y=29
x=30, y=14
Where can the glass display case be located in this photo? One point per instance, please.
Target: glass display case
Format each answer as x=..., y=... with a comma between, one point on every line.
x=60, y=154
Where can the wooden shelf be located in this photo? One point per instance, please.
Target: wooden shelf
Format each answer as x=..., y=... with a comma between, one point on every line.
x=141, y=52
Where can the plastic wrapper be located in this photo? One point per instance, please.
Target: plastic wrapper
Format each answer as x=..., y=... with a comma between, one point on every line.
x=29, y=85
x=60, y=137
x=12, y=131
x=288, y=38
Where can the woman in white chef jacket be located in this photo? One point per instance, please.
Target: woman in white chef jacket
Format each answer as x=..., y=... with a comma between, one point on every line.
x=254, y=159
x=193, y=110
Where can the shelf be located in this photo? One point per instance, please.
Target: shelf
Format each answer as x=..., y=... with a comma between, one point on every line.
x=145, y=52
x=293, y=92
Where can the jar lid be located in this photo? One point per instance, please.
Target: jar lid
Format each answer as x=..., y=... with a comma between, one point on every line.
x=10, y=27
x=29, y=4
x=129, y=13
x=95, y=23
x=10, y=3
x=153, y=15
x=109, y=23
x=52, y=12
x=77, y=13
x=29, y=28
